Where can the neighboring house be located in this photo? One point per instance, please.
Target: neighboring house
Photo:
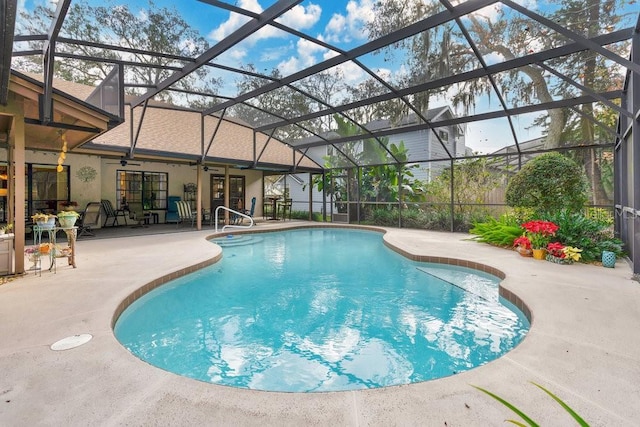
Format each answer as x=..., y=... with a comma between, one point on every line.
x=508, y=157
x=423, y=148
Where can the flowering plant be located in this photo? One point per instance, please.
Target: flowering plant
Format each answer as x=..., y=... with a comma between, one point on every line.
x=30, y=250
x=42, y=217
x=572, y=253
x=540, y=232
x=556, y=249
x=522, y=241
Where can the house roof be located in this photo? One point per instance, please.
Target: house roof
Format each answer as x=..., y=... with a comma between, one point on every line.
x=71, y=118
x=404, y=63
x=174, y=133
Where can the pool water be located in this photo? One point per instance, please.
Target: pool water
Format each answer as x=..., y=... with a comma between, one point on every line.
x=321, y=310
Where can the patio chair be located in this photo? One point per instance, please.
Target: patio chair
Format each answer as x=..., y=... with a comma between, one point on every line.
x=185, y=213
x=284, y=208
x=249, y=212
x=138, y=215
x=110, y=212
x=88, y=219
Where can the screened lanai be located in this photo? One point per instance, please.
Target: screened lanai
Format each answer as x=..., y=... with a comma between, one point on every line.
x=408, y=106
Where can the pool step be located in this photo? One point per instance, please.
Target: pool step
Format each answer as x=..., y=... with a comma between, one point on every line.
x=231, y=240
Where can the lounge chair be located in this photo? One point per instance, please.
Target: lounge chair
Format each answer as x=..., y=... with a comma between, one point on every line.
x=110, y=212
x=90, y=218
x=185, y=213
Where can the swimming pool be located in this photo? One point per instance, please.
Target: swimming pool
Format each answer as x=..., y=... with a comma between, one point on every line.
x=320, y=310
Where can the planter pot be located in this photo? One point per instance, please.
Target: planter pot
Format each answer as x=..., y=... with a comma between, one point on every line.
x=67, y=221
x=539, y=253
x=47, y=225
x=608, y=259
x=524, y=251
x=558, y=260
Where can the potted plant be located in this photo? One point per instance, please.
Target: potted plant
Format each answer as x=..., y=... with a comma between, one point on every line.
x=523, y=246
x=539, y=233
x=67, y=219
x=33, y=253
x=4, y=229
x=572, y=253
x=44, y=221
x=556, y=253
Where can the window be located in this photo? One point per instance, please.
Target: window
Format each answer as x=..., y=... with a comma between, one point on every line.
x=147, y=188
x=46, y=188
x=444, y=135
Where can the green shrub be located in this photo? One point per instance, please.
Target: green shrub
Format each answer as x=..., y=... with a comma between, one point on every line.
x=548, y=183
x=496, y=232
x=385, y=217
x=592, y=235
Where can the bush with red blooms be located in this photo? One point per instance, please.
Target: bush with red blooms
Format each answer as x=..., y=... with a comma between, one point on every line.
x=539, y=232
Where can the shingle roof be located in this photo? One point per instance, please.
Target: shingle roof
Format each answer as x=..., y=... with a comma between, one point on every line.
x=174, y=132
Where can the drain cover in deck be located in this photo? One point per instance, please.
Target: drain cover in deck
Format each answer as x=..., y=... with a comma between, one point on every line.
x=71, y=342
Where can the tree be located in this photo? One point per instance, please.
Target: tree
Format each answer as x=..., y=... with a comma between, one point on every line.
x=388, y=178
x=444, y=51
x=473, y=180
x=550, y=182
x=313, y=93
x=159, y=30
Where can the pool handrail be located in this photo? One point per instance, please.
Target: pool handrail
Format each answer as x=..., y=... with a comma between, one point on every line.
x=232, y=225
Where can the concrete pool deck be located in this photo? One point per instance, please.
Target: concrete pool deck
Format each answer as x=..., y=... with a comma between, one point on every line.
x=583, y=345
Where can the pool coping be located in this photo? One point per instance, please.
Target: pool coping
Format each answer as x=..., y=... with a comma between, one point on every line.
x=579, y=347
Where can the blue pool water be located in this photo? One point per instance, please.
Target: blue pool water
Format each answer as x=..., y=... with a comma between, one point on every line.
x=320, y=310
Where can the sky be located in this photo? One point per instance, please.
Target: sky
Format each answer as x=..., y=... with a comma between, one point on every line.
x=340, y=23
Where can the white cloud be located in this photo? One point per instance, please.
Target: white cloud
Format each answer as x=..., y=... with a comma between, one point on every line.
x=351, y=72
x=237, y=53
x=335, y=27
x=351, y=26
x=235, y=20
x=306, y=57
x=289, y=66
x=300, y=18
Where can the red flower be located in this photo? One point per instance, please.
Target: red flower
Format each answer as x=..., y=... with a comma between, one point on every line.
x=546, y=228
x=556, y=249
x=539, y=232
x=522, y=241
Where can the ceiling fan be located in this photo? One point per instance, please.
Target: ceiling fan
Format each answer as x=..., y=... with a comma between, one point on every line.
x=124, y=162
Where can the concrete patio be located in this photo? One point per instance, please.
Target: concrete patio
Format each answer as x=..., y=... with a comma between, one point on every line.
x=583, y=346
